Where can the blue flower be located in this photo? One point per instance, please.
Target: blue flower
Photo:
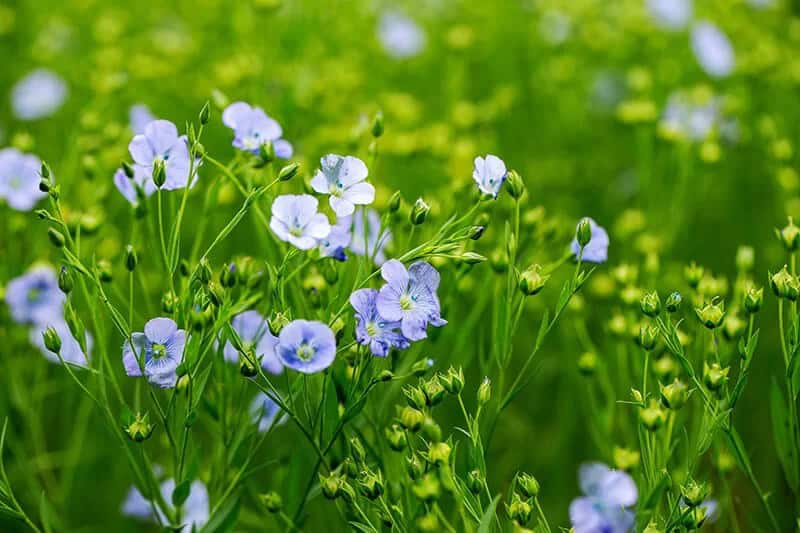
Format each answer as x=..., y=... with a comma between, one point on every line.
x=266, y=412
x=296, y=221
x=127, y=186
x=409, y=297
x=195, y=510
x=377, y=239
x=307, y=346
x=607, y=495
x=255, y=335
x=597, y=249
x=71, y=351
x=344, y=179
x=159, y=350
x=489, y=174
x=19, y=179
x=140, y=116
x=38, y=95
x=337, y=241
x=670, y=14
x=712, y=49
x=161, y=142
x=400, y=36
x=373, y=330
x=252, y=128
x=34, y=297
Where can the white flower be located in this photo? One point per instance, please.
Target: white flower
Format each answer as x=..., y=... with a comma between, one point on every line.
x=489, y=174
x=343, y=178
x=38, y=95
x=712, y=49
x=295, y=220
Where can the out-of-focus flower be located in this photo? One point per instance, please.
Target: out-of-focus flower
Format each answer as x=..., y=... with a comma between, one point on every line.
x=254, y=333
x=38, y=95
x=195, y=510
x=252, y=127
x=713, y=49
x=34, y=297
x=307, y=346
x=607, y=495
x=373, y=330
x=376, y=239
x=295, y=220
x=692, y=121
x=161, y=144
x=160, y=350
x=70, y=352
x=337, y=241
x=596, y=251
x=400, y=36
x=266, y=413
x=139, y=116
x=670, y=14
x=344, y=179
x=19, y=179
x=489, y=174
x=555, y=27
x=409, y=297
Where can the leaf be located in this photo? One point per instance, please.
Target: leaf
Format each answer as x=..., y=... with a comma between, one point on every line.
x=225, y=518
x=488, y=516
x=181, y=492
x=782, y=435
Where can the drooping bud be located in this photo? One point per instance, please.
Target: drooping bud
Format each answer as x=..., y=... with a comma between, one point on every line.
x=453, y=381
x=371, y=484
x=140, y=429
x=694, y=493
x=587, y=363
x=331, y=485
x=519, y=510
x=439, y=453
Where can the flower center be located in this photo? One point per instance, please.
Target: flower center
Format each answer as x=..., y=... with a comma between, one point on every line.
x=373, y=329
x=336, y=188
x=15, y=182
x=406, y=302
x=158, y=351
x=305, y=351
x=33, y=294
x=251, y=142
x=296, y=231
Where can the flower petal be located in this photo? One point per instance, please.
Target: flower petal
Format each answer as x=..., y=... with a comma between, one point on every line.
x=159, y=330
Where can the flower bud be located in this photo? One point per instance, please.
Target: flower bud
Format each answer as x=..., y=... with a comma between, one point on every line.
x=357, y=450
x=266, y=152
x=476, y=232
x=693, y=274
x=673, y=303
x=652, y=417
x=104, y=270
x=453, y=381
x=205, y=115
x=519, y=510
x=528, y=485
x=648, y=335
x=396, y=438
x=694, y=493
x=753, y=299
x=745, y=258
x=331, y=485
x=515, y=185
x=395, y=201
x=277, y=322
x=715, y=376
x=583, y=233
x=271, y=501
x=784, y=285
x=56, y=237
x=789, y=236
x=415, y=396
x=674, y=395
x=471, y=258
x=204, y=271
x=434, y=392
x=386, y=375
x=411, y=418
x=128, y=170
x=430, y=430
x=419, y=212
x=371, y=484
x=131, y=259
x=377, y=124
x=734, y=327
x=531, y=281
x=248, y=363
x=711, y=315
x=159, y=173
x=140, y=429
x=288, y=172
x=414, y=467
x=626, y=459
x=439, y=453
x=498, y=260
x=484, y=392
x=587, y=363
x=65, y=280
x=51, y=339
x=421, y=367
x=427, y=488
x=475, y=481
x=650, y=304
x=694, y=518
x=227, y=276
x=45, y=184
x=169, y=302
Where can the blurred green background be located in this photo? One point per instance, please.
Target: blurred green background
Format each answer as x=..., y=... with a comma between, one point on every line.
x=572, y=94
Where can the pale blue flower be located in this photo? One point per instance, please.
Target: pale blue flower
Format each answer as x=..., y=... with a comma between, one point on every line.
x=343, y=178
x=159, y=350
x=607, y=496
x=692, y=121
x=713, y=49
x=307, y=346
x=161, y=142
x=266, y=413
x=255, y=335
x=127, y=186
x=671, y=14
x=19, y=179
x=34, y=297
x=400, y=36
x=139, y=116
x=38, y=95
x=195, y=510
x=377, y=238
x=295, y=220
x=252, y=128
x=597, y=249
x=373, y=330
x=489, y=174
x=337, y=241
x=71, y=351
x=409, y=297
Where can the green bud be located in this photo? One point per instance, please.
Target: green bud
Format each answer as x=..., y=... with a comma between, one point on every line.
x=519, y=510
x=204, y=271
x=104, y=270
x=51, y=339
x=56, y=237
x=434, y=391
x=471, y=258
x=140, y=429
x=357, y=450
x=583, y=234
x=453, y=381
x=648, y=335
x=475, y=481
x=694, y=518
x=789, y=236
x=419, y=212
x=248, y=364
x=734, y=327
x=427, y=488
x=386, y=375
x=784, y=285
x=44, y=170
x=665, y=368
x=266, y=152
x=331, y=485
x=745, y=258
x=396, y=438
x=674, y=301
x=395, y=201
x=531, y=281
x=711, y=315
x=753, y=299
x=371, y=484
x=277, y=322
x=421, y=367
x=484, y=392
x=674, y=395
x=45, y=185
x=205, y=115
x=515, y=185
x=227, y=276
x=169, y=302
x=587, y=363
x=653, y=416
x=439, y=453
x=528, y=485
x=159, y=173
x=128, y=170
x=411, y=418
x=271, y=501
x=131, y=259
x=377, y=125
x=694, y=493
x=715, y=376
x=415, y=396
x=693, y=274
x=414, y=467
x=430, y=430
x=498, y=260
x=650, y=304
x=288, y=172
x=65, y=280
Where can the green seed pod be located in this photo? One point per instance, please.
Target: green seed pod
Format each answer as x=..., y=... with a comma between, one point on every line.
x=104, y=270
x=331, y=485
x=475, y=481
x=711, y=315
x=515, y=185
x=396, y=438
x=414, y=467
x=169, y=302
x=693, y=274
x=789, y=236
x=65, y=280
x=674, y=302
x=427, y=488
x=371, y=484
x=439, y=453
x=411, y=418
x=484, y=392
x=288, y=172
x=395, y=201
x=377, y=124
x=648, y=335
x=453, y=381
x=674, y=395
x=587, y=363
x=205, y=114
x=140, y=429
x=653, y=416
x=528, y=485
x=434, y=391
x=715, y=376
x=532, y=281
x=753, y=299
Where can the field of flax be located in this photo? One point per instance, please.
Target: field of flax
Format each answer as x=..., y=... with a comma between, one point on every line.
x=440, y=265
